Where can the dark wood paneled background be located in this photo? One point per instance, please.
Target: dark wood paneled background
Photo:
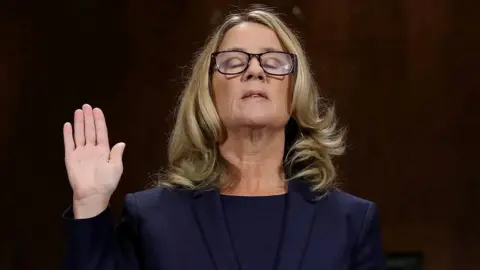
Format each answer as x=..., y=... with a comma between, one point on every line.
x=403, y=75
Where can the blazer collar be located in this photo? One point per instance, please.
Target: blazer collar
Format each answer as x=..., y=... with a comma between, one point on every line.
x=299, y=218
x=300, y=214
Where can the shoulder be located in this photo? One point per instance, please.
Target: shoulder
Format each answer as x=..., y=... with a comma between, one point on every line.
x=156, y=198
x=349, y=202
x=363, y=226
x=357, y=211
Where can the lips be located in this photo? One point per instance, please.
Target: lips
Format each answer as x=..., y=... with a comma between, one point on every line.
x=254, y=94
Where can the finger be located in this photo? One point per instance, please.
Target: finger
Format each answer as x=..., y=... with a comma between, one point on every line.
x=101, y=128
x=90, y=137
x=117, y=153
x=79, y=128
x=68, y=138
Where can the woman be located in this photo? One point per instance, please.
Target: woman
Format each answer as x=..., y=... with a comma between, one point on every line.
x=250, y=183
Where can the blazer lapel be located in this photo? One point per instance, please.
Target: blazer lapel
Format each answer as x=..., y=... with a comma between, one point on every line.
x=209, y=212
x=298, y=225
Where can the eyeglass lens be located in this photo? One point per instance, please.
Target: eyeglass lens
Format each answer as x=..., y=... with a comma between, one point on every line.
x=234, y=62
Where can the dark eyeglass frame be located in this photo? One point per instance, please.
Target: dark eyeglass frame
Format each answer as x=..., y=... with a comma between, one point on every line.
x=214, y=66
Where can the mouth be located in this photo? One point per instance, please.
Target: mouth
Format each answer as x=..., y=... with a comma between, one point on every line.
x=254, y=94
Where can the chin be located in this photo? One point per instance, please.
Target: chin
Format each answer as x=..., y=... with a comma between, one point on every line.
x=256, y=119
x=260, y=121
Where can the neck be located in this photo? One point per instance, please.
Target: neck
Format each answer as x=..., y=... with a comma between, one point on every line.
x=255, y=159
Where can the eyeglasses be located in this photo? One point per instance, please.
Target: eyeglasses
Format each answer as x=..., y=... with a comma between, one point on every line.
x=235, y=62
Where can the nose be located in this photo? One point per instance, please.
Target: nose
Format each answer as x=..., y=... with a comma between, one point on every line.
x=254, y=70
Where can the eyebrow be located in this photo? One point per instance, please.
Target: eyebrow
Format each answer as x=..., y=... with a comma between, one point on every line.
x=265, y=49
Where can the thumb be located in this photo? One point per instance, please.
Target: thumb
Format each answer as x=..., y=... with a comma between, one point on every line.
x=117, y=153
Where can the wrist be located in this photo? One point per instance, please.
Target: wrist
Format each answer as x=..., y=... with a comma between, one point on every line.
x=89, y=207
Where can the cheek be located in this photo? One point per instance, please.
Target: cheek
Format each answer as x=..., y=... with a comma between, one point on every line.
x=222, y=91
x=285, y=95
x=289, y=97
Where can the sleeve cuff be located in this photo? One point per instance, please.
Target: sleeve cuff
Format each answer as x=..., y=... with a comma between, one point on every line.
x=68, y=215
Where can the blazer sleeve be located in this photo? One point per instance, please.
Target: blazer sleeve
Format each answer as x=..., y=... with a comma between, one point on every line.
x=96, y=243
x=368, y=252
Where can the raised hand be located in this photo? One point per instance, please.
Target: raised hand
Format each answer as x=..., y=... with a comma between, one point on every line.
x=93, y=169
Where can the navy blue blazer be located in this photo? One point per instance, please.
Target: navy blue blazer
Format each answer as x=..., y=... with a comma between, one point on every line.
x=179, y=230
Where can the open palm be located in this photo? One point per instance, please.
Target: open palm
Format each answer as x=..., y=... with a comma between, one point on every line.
x=93, y=169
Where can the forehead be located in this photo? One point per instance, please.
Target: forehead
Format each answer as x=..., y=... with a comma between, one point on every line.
x=251, y=37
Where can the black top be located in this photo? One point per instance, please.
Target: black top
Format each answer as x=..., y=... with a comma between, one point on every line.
x=255, y=225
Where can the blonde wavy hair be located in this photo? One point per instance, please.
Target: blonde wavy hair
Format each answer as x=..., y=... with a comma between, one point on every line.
x=194, y=160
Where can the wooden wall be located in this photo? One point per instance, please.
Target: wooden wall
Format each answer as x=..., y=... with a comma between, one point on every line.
x=403, y=75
